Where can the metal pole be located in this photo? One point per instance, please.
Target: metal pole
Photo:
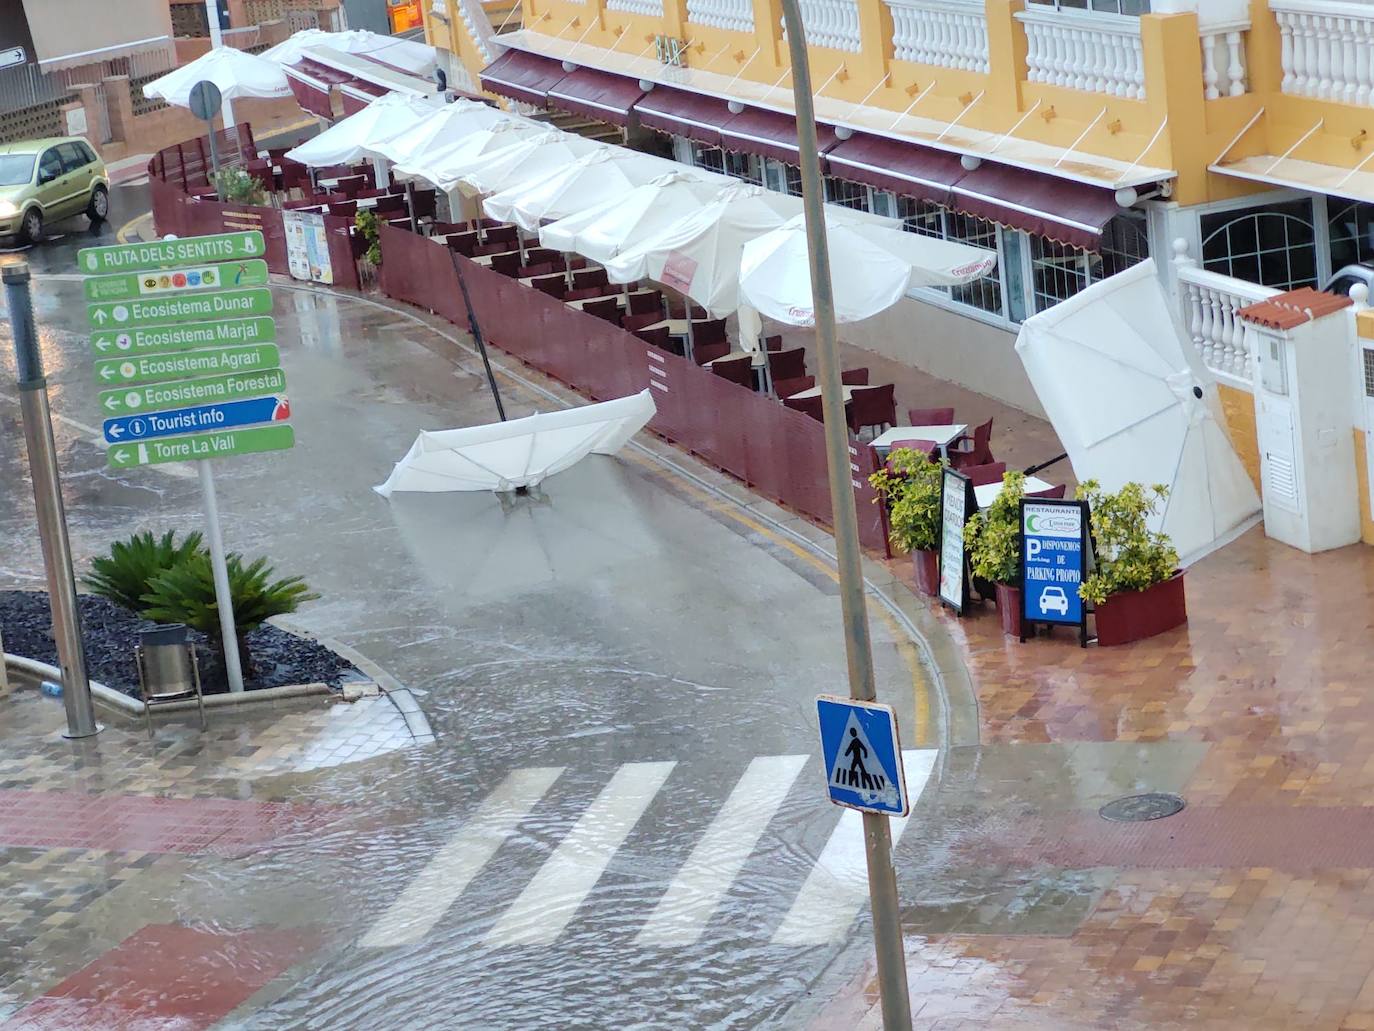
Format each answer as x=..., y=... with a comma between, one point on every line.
x=217, y=41
x=882, y=879
x=224, y=598
x=47, y=496
x=477, y=336
x=214, y=160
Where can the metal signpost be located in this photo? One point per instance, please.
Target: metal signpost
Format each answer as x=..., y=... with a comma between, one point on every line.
x=205, y=102
x=863, y=756
x=184, y=346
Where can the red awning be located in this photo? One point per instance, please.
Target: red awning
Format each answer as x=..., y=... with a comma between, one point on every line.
x=522, y=76
x=322, y=72
x=904, y=168
x=769, y=134
x=1045, y=205
x=356, y=94
x=597, y=94
x=686, y=114
x=311, y=94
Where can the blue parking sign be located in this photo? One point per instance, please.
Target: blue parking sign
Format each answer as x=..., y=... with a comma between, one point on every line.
x=1054, y=550
x=863, y=757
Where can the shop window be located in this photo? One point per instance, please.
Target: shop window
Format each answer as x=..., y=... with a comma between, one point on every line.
x=748, y=167
x=1058, y=271
x=1352, y=233
x=847, y=194
x=928, y=219
x=1274, y=246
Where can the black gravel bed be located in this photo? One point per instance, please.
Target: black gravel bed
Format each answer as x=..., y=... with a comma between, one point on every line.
x=110, y=633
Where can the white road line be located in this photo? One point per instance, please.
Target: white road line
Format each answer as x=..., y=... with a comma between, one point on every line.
x=683, y=912
x=444, y=878
x=551, y=899
x=838, y=884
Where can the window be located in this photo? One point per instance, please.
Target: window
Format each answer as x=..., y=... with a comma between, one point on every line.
x=1125, y=242
x=1058, y=271
x=1132, y=7
x=847, y=194
x=1352, y=233
x=748, y=167
x=1274, y=246
x=49, y=165
x=781, y=177
x=711, y=158
x=15, y=169
x=928, y=219
x=72, y=158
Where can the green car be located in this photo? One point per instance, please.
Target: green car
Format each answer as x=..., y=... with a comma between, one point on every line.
x=48, y=180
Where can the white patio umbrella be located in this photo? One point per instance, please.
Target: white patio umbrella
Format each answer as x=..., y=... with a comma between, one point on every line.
x=443, y=128
x=1131, y=401
x=605, y=174
x=434, y=164
x=532, y=159
x=408, y=55
x=236, y=73
x=352, y=138
x=603, y=231
x=871, y=268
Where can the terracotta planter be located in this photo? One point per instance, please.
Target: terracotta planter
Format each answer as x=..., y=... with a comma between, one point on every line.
x=927, y=566
x=1009, y=609
x=1136, y=615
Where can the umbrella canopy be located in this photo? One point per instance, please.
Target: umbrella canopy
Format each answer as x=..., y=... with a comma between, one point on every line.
x=351, y=138
x=405, y=54
x=434, y=164
x=440, y=129
x=603, y=231
x=521, y=453
x=236, y=73
x=1132, y=402
x=534, y=158
x=605, y=174
x=871, y=268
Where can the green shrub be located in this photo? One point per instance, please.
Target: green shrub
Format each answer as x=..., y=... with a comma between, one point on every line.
x=238, y=187
x=366, y=221
x=1130, y=557
x=993, y=534
x=125, y=575
x=910, y=484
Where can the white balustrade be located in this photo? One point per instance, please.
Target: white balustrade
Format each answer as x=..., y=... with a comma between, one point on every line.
x=737, y=15
x=1209, y=302
x=649, y=8
x=830, y=23
x=1099, y=53
x=1223, y=62
x=1327, y=49
x=947, y=33
x=478, y=23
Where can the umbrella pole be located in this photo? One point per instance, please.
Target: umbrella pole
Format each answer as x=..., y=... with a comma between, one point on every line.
x=477, y=335
x=1045, y=465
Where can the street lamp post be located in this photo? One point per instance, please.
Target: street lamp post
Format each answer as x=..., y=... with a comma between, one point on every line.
x=882, y=879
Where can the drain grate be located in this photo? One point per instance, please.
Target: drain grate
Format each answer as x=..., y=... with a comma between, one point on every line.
x=1154, y=805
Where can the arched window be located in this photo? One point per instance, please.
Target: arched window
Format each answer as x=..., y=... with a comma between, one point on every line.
x=1274, y=246
x=1352, y=233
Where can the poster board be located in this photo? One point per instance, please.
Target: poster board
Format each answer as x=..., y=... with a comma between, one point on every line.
x=1055, y=553
x=956, y=505
x=307, y=247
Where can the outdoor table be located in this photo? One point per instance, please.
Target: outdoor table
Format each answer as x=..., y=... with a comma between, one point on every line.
x=816, y=392
x=757, y=357
x=987, y=493
x=943, y=436
x=675, y=327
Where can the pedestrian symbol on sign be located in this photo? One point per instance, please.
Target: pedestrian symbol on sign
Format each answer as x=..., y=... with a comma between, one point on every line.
x=858, y=769
x=862, y=755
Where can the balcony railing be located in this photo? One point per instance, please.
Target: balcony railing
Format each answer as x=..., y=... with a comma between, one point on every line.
x=1209, y=302
x=1223, y=61
x=947, y=33
x=1098, y=53
x=737, y=15
x=1326, y=49
x=831, y=23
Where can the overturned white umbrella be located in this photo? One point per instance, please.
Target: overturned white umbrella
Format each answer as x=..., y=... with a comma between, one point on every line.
x=1132, y=402
x=520, y=453
x=872, y=267
x=353, y=137
x=237, y=74
x=530, y=160
x=436, y=165
x=405, y=54
x=443, y=128
x=608, y=173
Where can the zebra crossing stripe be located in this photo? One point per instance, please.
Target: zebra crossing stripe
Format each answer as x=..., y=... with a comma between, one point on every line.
x=837, y=886
x=552, y=898
x=682, y=914
x=444, y=878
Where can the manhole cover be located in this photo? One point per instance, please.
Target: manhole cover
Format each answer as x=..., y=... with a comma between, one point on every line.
x=1139, y=808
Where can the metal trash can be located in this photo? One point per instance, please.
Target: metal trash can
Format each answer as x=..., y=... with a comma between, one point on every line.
x=167, y=669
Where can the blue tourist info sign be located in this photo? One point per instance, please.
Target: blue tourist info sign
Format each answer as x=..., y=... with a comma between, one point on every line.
x=1054, y=561
x=863, y=756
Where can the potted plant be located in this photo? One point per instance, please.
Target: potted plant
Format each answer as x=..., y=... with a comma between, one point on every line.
x=994, y=541
x=1136, y=588
x=910, y=485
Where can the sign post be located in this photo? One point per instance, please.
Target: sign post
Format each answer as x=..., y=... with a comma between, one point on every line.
x=956, y=505
x=863, y=756
x=184, y=349
x=1055, y=552
x=205, y=103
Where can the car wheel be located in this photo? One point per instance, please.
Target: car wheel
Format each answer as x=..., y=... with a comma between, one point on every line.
x=99, y=208
x=31, y=228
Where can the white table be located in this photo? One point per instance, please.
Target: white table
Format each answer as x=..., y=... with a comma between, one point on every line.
x=816, y=392
x=987, y=493
x=942, y=436
x=675, y=327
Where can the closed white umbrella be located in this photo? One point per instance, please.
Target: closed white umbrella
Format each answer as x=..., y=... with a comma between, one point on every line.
x=236, y=73
x=407, y=55
x=605, y=174
x=872, y=267
x=534, y=158
x=1132, y=402
x=434, y=164
x=443, y=128
x=351, y=138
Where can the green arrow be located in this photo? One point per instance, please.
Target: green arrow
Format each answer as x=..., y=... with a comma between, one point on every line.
x=218, y=304
x=193, y=250
x=158, y=283
x=112, y=343
x=196, y=446
x=212, y=362
x=160, y=396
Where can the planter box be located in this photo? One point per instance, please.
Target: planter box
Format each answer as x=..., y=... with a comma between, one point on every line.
x=1136, y=615
x=927, y=566
x=1009, y=609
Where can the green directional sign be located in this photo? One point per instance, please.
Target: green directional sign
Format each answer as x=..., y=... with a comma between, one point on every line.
x=113, y=343
x=196, y=446
x=161, y=396
x=219, y=304
x=157, y=283
x=194, y=250
x=217, y=361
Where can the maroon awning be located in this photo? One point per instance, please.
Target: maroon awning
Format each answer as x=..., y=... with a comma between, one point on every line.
x=323, y=72
x=597, y=94
x=681, y=113
x=522, y=76
x=769, y=134
x=1045, y=205
x=356, y=94
x=906, y=169
x=311, y=94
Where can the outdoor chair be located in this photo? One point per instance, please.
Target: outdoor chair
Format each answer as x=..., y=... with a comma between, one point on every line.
x=507, y=264
x=811, y=406
x=638, y=320
x=296, y=205
x=736, y=370
x=576, y=262
x=1057, y=491
x=658, y=338
x=390, y=202
x=784, y=365
x=369, y=194
x=344, y=209
x=501, y=234
x=493, y=223
x=590, y=277
x=926, y=447
x=703, y=353
x=544, y=268
x=604, y=308
x=423, y=203
x=930, y=416
x=979, y=475
x=334, y=198
x=351, y=186
x=463, y=243
x=976, y=450
x=444, y=228
x=773, y=343
x=497, y=248
x=554, y=286
x=544, y=254
x=709, y=331
x=872, y=406
x=585, y=294
x=277, y=155
x=785, y=388
x=641, y=304
x=854, y=377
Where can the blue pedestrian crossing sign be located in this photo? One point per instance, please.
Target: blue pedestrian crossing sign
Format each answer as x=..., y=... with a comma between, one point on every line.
x=863, y=756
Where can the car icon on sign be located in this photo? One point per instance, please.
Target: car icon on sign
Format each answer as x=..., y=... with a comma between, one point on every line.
x=1053, y=599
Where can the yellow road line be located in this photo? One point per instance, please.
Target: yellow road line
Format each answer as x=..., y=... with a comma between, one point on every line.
x=126, y=229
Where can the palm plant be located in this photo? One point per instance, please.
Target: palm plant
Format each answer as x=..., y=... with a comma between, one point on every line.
x=124, y=575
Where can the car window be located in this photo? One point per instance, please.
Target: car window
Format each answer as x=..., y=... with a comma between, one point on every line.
x=50, y=164
x=72, y=157
x=16, y=169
